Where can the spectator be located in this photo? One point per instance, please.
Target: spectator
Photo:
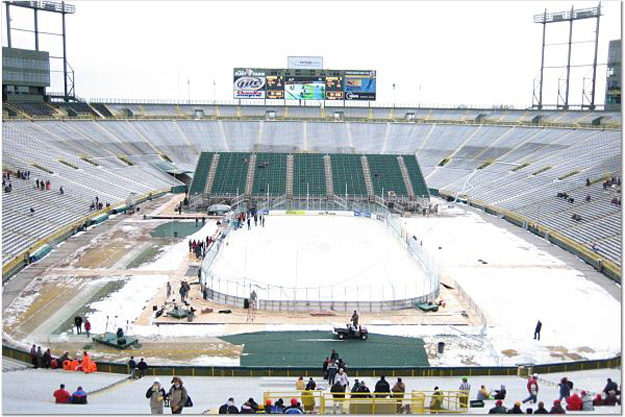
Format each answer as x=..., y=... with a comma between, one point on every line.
x=516, y=409
x=588, y=198
x=61, y=190
x=246, y=408
x=565, y=389
x=574, y=403
x=33, y=356
x=356, y=385
x=311, y=385
x=156, y=394
x=483, y=394
x=294, y=408
x=79, y=397
x=229, y=407
x=532, y=389
x=178, y=396
x=338, y=396
x=587, y=402
x=557, y=408
x=279, y=406
x=253, y=404
x=61, y=396
x=610, y=386
x=342, y=378
x=47, y=358
x=465, y=387
x=39, y=357
x=78, y=324
x=363, y=391
x=383, y=387
x=588, y=182
x=541, y=408
x=324, y=368
x=131, y=366
x=437, y=400
x=300, y=384
x=334, y=356
x=268, y=407
x=87, y=327
x=308, y=401
x=332, y=370
x=611, y=399
x=32, y=211
x=500, y=394
x=398, y=391
x=143, y=368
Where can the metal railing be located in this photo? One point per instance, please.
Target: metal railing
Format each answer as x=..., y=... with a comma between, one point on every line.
x=360, y=403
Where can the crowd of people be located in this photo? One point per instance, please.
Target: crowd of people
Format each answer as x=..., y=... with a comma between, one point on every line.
x=247, y=218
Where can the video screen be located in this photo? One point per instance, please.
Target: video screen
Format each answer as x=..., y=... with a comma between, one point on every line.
x=305, y=88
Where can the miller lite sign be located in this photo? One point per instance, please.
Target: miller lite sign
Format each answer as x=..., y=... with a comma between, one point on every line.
x=249, y=83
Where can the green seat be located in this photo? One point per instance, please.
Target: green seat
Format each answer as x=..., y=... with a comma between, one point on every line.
x=309, y=175
x=201, y=173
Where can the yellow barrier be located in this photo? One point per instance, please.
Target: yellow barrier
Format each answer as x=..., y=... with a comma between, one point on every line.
x=19, y=258
x=415, y=402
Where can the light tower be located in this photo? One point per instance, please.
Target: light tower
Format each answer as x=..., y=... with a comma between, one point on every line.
x=53, y=7
x=559, y=17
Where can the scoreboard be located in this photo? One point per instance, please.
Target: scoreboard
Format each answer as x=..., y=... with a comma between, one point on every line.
x=304, y=84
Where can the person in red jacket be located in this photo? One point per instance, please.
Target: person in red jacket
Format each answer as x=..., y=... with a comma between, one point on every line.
x=574, y=403
x=87, y=327
x=61, y=396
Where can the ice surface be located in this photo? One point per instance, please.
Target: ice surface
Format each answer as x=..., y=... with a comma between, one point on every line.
x=324, y=257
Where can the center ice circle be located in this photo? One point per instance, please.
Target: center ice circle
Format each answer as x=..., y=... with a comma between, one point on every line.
x=337, y=262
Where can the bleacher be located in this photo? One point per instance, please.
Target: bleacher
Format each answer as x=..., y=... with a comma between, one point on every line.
x=414, y=172
x=32, y=108
x=270, y=174
x=77, y=108
x=201, y=173
x=308, y=175
x=231, y=175
x=526, y=164
x=386, y=175
x=348, y=178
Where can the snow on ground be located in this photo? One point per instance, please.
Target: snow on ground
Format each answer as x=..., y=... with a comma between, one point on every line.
x=125, y=304
x=211, y=392
x=519, y=285
x=349, y=258
x=172, y=257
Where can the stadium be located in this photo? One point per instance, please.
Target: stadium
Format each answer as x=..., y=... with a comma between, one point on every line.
x=230, y=242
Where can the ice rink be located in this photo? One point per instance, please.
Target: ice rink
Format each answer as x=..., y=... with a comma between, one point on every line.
x=318, y=258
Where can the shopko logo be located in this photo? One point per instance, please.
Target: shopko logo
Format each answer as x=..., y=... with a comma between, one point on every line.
x=249, y=83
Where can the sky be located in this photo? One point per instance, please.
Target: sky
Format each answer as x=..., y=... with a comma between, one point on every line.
x=436, y=53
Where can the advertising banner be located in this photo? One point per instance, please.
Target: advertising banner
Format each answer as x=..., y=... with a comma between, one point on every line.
x=305, y=62
x=249, y=83
x=360, y=85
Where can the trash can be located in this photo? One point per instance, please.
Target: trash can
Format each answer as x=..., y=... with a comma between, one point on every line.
x=441, y=347
x=246, y=303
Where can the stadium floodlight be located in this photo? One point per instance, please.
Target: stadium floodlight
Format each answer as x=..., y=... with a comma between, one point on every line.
x=558, y=17
x=53, y=7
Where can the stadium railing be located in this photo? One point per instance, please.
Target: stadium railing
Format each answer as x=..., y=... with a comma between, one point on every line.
x=354, y=372
x=414, y=402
